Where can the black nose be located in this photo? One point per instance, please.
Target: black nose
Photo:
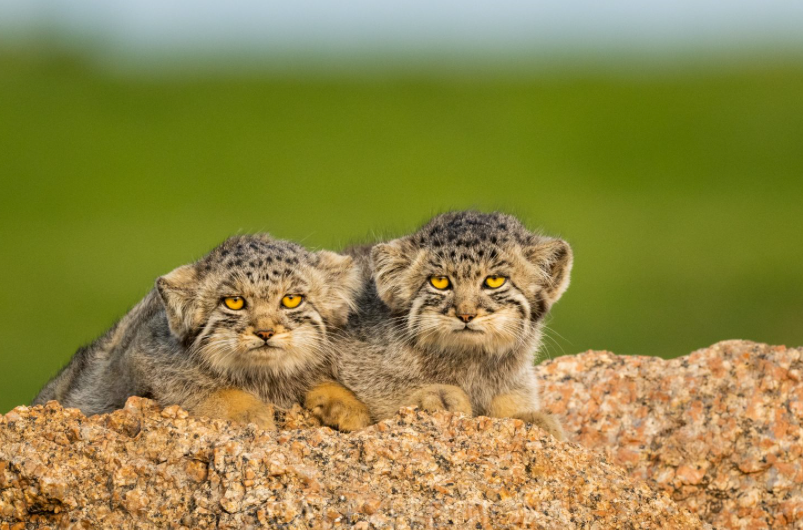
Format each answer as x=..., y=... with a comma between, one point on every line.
x=264, y=334
x=466, y=318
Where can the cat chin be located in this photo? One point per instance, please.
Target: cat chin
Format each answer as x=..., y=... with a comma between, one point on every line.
x=266, y=360
x=485, y=335
x=250, y=358
x=261, y=354
x=454, y=342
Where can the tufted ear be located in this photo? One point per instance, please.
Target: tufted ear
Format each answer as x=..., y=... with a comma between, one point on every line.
x=178, y=289
x=553, y=259
x=341, y=286
x=391, y=264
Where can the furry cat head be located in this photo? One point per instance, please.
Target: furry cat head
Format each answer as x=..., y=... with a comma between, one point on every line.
x=258, y=301
x=471, y=280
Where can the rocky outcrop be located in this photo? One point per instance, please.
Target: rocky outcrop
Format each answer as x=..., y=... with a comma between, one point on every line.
x=142, y=467
x=718, y=430
x=716, y=433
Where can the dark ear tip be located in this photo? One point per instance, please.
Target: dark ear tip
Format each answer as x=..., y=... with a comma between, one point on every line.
x=563, y=250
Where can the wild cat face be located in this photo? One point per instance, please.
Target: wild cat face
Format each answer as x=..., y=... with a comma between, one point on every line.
x=259, y=303
x=472, y=281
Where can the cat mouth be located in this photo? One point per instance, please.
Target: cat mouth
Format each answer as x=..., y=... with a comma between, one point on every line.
x=469, y=330
x=266, y=348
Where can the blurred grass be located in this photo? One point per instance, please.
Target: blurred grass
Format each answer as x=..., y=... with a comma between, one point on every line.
x=680, y=193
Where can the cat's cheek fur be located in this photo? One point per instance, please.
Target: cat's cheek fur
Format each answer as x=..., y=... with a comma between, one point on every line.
x=495, y=333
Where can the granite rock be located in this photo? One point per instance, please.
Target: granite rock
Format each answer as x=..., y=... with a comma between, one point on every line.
x=718, y=430
x=142, y=467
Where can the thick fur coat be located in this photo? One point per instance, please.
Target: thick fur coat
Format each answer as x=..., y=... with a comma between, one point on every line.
x=431, y=331
x=183, y=345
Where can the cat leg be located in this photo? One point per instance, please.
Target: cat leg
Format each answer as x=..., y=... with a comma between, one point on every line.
x=236, y=405
x=441, y=397
x=336, y=406
x=520, y=406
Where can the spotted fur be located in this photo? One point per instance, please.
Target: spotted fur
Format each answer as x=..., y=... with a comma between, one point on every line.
x=181, y=344
x=407, y=334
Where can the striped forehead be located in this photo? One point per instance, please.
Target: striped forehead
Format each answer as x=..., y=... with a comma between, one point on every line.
x=257, y=267
x=266, y=282
x=468, y=262
x=464, y=236
x=257, y=254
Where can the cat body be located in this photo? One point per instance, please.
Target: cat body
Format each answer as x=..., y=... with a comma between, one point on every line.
x=244, y=326
x=452, y=317
x=385, y=370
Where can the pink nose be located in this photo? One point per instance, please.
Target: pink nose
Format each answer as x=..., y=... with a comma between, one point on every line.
x=466, y=318
x=264, y=334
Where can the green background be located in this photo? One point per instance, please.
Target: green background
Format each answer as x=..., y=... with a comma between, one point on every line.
x=679, y=190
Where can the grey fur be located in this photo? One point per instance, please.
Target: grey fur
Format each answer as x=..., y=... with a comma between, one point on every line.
x=180, y=344
x=404, y=335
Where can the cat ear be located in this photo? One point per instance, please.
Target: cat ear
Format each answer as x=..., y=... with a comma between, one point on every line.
x=177, y=290
x=391, y=263
x=553, y=259
x=341, y=286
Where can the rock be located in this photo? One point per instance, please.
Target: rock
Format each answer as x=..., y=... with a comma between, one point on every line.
x=718, y=430
x=141, y=467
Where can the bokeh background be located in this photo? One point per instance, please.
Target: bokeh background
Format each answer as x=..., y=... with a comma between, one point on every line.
x=664, y=142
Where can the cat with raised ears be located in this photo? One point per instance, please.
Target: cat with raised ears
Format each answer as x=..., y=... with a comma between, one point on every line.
x=451, y=318
x=244, y=326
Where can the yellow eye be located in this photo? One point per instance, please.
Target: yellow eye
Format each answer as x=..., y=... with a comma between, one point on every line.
x=495, y=282
x=234, y=303
x=292, y=300
x=439, y=282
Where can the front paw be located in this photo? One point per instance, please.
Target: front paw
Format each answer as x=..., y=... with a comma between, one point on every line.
x=546, y=421
x=335, y=406
x=262, y=415
x=442, y=397
x=236, y=405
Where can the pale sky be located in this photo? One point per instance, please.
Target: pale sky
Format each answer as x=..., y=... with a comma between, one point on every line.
x=365, y=25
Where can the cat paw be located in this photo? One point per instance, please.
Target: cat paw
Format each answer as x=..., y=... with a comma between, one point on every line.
x=262, y=415
x=546, y=421
x=442, y=397
x=236, y=405
x=335, y=406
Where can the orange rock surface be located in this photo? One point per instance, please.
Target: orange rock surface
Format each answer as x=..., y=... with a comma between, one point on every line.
x=719, y=430
x=142, y=467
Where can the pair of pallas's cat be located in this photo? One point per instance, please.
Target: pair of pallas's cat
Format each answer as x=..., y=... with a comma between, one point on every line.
x=446, y=318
